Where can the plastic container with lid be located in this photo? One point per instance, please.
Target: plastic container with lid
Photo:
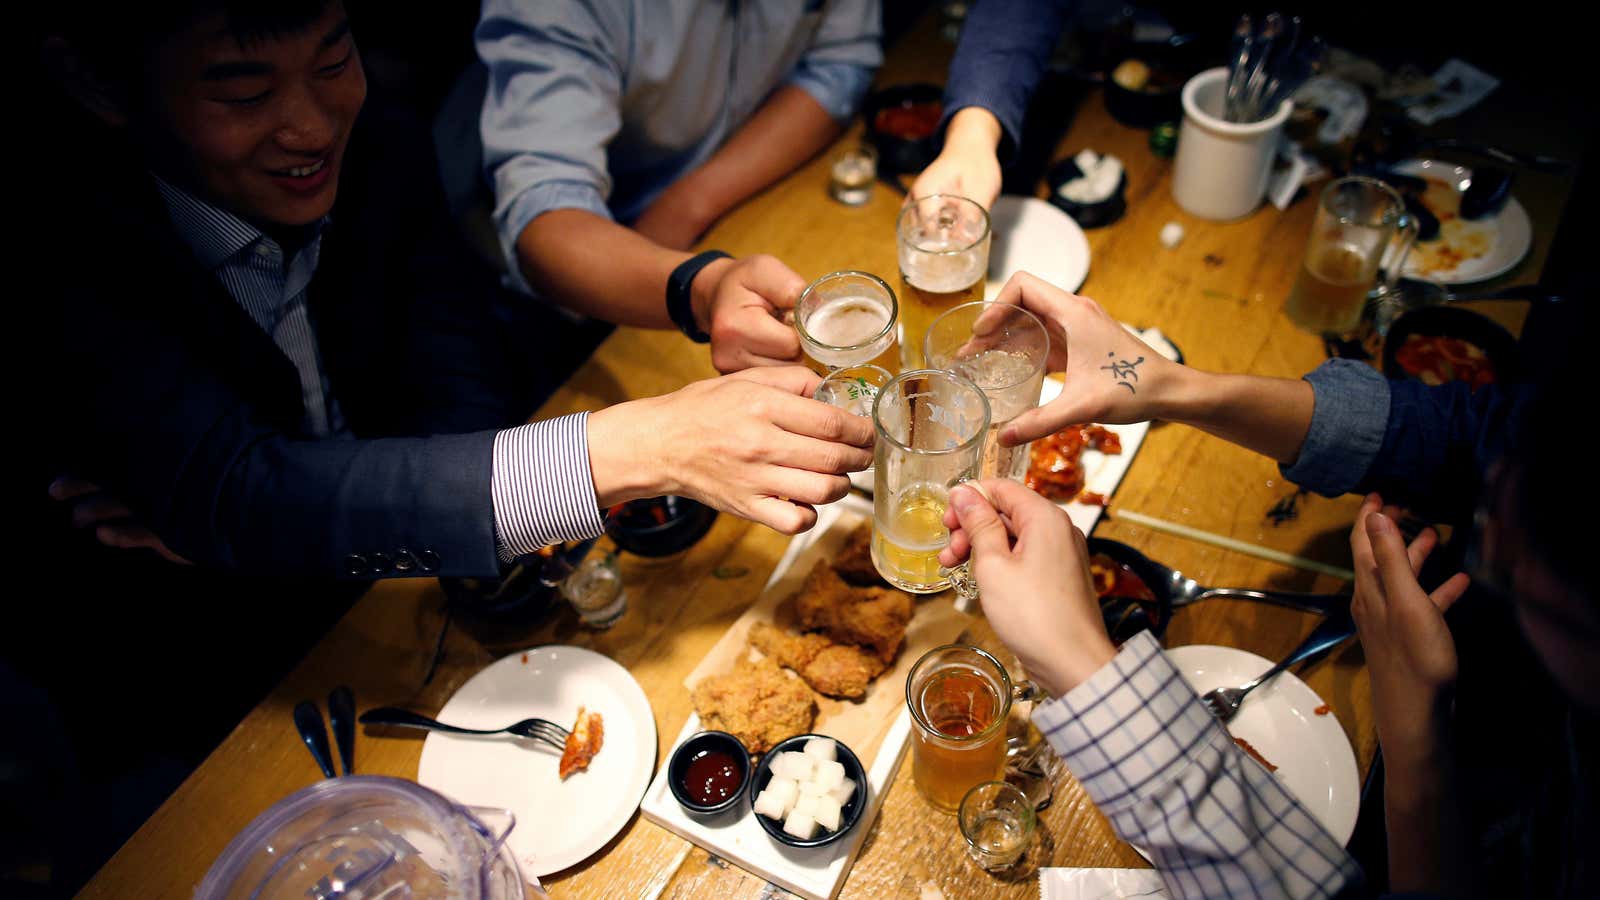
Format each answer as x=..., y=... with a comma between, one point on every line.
x=365, y=836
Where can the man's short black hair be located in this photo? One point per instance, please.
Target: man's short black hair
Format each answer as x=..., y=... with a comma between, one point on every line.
x=117, y=36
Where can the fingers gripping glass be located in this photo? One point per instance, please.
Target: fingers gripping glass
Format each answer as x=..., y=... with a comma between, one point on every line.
x=930, y=427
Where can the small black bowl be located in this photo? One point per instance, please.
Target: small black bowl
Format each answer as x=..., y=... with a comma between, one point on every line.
x=848, y=816
x=1144, y=109
x=694, y=748
x=1452, y=321
x=898, y=155
x=1127, y=617
x=1087, y=215
x=659, y=526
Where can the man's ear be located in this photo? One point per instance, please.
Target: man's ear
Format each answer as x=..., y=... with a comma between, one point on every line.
x=80, y=80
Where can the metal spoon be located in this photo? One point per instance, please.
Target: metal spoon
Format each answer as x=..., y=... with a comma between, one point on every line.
x=1239, y=56
x=1224, y=702
x=342, y=716
x=1180, y=590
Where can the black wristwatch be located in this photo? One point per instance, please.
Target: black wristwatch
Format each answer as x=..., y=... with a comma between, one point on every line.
x=678, y=305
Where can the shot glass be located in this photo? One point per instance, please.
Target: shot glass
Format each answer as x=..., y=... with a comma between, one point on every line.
x=997, y=822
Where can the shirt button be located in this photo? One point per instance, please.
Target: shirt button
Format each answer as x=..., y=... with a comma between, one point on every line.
x=428, y=560
x=355, y=564
x=404, y=562
x=263, y=251
x=381, y=563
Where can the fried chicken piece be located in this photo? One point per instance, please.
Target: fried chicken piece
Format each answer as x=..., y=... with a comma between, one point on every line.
x=583, y=742
x=868, y=617
x=835, y=670
x=854, y=562
x=756, y=703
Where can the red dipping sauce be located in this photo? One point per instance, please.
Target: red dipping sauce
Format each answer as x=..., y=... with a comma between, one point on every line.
x=712, y=777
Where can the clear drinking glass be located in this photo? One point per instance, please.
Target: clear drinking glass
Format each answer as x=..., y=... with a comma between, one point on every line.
x=998, y=822
x=944, y=256
x=853, y=389
x=930, y=427
x=959, y=698
x=854, y=171
x=1358, y=219
x=1002, y=348
x=847, y=319
x=1410, y=293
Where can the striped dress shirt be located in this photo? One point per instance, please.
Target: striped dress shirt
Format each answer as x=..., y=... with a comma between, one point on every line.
x=541, y=486
x=1171, y=780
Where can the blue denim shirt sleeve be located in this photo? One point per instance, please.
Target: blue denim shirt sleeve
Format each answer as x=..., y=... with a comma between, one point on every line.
x=553, y=104
x=1348, y=424
x=1002, y=53
x=845, y=51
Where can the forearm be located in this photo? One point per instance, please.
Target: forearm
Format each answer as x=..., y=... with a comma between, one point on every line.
x=594, y=266
x=788, y=129
x=1267, y=415
x=1426, y=845
x=972, y=130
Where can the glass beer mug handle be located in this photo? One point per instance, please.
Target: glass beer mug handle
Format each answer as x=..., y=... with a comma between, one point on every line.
x=1406, y=231
x=1025, y=690
x=966, y=587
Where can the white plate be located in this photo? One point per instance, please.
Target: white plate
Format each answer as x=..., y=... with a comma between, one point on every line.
x=1312, y=753
x=1030, y=235
x=559, y=823
x=1510, y=232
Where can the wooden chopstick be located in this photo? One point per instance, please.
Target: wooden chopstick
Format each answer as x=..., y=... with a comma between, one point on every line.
x=1234, y=544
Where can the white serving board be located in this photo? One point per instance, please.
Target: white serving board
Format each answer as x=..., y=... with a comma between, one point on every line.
x=815, y=873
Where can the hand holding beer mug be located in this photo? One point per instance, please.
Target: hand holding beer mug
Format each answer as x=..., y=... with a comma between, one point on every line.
x=1357, y=219
x=944, y=257
x=1002, y=348
x=930, y=428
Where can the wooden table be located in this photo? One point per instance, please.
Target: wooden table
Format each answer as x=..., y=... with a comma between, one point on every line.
x=1217, y=295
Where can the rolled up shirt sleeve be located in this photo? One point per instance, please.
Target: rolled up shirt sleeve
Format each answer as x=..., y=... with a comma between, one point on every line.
x=542, y=488
x=837, y=68
x=1172, y=782
x=551, y=107
x=1348, y=423
x=1004, y=47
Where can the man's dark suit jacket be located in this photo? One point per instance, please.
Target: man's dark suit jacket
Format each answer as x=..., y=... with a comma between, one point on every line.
x=170, y=397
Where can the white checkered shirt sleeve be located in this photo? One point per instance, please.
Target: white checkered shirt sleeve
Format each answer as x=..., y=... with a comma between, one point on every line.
x=1171, y=780
x=542, y=489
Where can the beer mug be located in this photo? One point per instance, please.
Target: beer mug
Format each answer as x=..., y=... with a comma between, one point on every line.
x=1358, y=218
x=930, y=427
x=959, y=698
x=944, y=257
x=1003, y=350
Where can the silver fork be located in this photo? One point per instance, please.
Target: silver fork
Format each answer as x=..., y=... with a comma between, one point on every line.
x=541, y=730
x=1338, y=627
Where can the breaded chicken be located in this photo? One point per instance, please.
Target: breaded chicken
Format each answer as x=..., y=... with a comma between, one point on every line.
x=757, y=703
x=854, y=562
x=583, y=742
x=835, y=670
x=868, y=617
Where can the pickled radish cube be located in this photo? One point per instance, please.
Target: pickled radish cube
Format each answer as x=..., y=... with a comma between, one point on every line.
x=770, y=805
x=828, y=812
x=842, y=792
x=794, y=766
x=812, y=789
x=822, y=749
x=801, y=826
x=828, y=775
x=806, y=805
x=784, y=792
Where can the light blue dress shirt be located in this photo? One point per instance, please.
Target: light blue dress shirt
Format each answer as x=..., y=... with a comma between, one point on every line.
x=601, y=104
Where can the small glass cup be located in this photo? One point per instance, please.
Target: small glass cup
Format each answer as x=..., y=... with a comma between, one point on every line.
x=846, y=319
x=854, y=171
x=997, y=822
x=595, y=591
x=853, y=389
x=1002, y=348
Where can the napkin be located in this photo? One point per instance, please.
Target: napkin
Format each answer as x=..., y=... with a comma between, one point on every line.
x=1099, y=884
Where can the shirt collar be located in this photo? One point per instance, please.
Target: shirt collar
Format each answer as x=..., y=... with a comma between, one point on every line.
x=213, y=235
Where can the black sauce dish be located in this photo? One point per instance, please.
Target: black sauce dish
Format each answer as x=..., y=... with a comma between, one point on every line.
x=1087, y=215
x=849, y=814
x=1452, y=321
x=898, y=154
x=659, y=526
x=695, y=748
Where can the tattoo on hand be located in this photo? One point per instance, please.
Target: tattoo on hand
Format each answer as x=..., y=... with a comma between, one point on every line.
x=1124, y=371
